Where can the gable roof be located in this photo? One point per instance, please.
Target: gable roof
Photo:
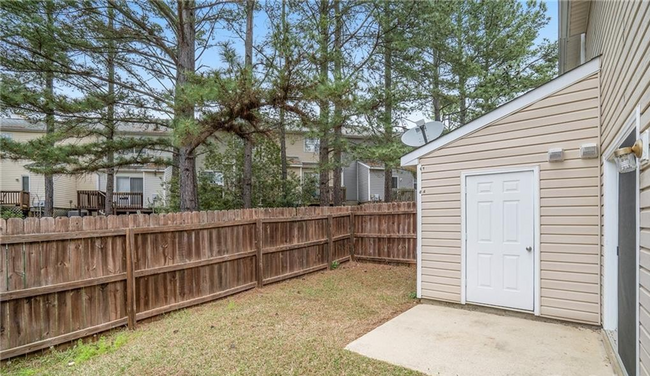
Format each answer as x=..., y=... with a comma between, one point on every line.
x=561, y=82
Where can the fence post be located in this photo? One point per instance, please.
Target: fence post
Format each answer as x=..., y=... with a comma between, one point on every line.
x=130, y=279
x=260, y=258
x=330, y=242
x=351, y=236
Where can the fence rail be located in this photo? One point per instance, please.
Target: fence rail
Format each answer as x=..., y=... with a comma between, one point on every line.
x=68, y=278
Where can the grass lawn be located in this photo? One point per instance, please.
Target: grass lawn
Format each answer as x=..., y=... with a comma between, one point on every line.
x=297, y=327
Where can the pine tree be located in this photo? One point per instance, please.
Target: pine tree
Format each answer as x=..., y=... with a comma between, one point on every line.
x=36, y=63
x=248, y=142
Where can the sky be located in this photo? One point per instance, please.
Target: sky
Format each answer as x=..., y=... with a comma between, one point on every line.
x=550, y=31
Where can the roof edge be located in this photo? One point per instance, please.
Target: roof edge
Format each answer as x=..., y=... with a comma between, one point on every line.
x=524, y=100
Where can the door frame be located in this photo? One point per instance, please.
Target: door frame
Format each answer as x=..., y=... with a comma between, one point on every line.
x=610, y=234
x=536, y=230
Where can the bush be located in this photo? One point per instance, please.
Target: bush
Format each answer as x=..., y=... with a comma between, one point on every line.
x=6, y=213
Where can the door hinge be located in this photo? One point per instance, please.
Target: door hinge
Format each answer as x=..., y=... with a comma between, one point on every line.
x=617, y=248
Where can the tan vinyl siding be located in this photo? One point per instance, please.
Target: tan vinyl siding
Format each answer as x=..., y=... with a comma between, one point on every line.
x=296, y=148
x=153, y=185
x=568, y=196
x=620, y=33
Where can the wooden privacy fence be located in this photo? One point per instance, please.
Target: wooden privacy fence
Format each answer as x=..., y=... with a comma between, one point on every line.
x=64, y=279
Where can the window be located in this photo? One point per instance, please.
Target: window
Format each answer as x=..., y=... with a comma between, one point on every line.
x=312, y=145
x=394, y=182
x=25, y=183
x=6, y=136
x=311, y=176
x=128, y=184
x=214, y=177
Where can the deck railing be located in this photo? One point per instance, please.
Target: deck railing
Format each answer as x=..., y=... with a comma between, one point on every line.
x=96, y=200
x=128, y=200
x=15, y=198
x=403, y=194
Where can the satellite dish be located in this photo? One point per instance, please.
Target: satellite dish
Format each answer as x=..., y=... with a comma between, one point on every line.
x=423, y=133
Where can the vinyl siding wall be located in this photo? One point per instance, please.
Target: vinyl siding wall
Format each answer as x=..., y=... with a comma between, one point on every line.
x=350, y=181
x=405, y=179
x=569, y=199
x=376, y=184
x=65, y=186
x=619, y=31
x=362, y=179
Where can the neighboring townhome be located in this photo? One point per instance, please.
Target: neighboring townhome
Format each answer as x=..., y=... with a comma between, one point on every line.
x=141, y=188
x=543, y=205
x=362, y=181
x=137, y=188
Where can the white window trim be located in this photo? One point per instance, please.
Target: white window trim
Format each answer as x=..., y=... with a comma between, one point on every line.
x=537, y=292
x=29, y=183
x=610, y=201
x=216, y=172
x=316, y=143
x=418, y=203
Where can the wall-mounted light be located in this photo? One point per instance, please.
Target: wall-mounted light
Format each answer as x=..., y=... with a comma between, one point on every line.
x=556, y=155
x=588, y=151
x=626, y=157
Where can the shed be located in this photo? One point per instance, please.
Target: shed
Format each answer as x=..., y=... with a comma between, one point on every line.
x=498, y=223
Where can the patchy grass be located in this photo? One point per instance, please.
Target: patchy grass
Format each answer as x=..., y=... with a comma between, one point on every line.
x=296, y=327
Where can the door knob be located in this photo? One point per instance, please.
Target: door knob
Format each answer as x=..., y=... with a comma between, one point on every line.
x=529, y=249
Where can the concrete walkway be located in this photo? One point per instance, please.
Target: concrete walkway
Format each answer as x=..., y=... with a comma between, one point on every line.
x=440, y=340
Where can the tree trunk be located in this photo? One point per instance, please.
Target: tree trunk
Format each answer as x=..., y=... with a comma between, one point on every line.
x=110, y=186
x=110, y=118
x=283, y=157
x=323, y=160
x=462, y=97
x=338, y=112
x=388, y=104
x=435, y=97
x=247, y=193
x=49, y=121
x=247, y=177
x=187, y=174
x=282, y=126
x=189, y=200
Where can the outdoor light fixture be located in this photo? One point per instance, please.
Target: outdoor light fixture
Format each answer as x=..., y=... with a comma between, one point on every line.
x=556, y=155
x=588, y=151
x=626, y=157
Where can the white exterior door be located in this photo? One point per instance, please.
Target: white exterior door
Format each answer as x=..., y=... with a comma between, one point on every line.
x=499, y=225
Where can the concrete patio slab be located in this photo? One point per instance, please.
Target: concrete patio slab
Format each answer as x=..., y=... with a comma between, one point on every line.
x=441, y=340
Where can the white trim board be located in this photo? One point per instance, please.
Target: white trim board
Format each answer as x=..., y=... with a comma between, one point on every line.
x=525, y=100
x=418, y=202
x=537, y=293
x=610, y=199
